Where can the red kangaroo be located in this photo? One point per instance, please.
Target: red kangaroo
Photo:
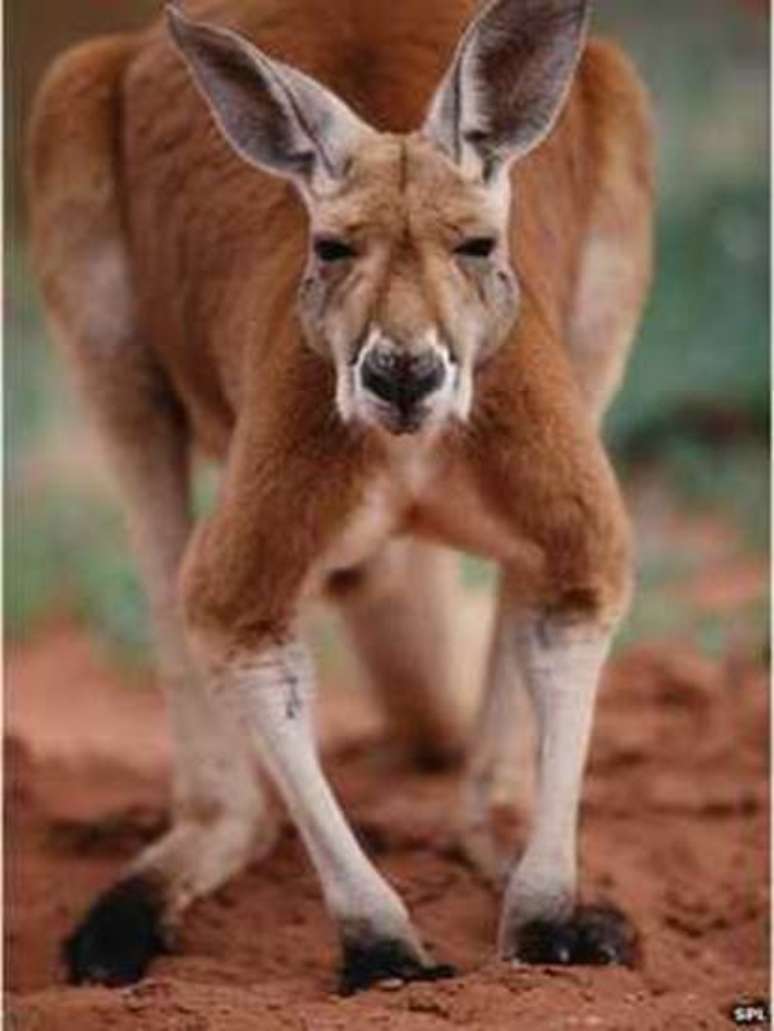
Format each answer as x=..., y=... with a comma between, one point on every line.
x=387, y=269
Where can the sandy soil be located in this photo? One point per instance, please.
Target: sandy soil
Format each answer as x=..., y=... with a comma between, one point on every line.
x=675, y=830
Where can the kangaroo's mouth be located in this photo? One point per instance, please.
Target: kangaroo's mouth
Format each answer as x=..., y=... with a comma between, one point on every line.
x=399, y=421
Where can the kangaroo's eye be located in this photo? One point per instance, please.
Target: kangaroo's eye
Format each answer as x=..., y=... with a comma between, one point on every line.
x=328, y=249
x=476, y=247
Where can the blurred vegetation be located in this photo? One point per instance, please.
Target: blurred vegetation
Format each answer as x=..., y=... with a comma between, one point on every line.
x=693, y=411
x=703, y=349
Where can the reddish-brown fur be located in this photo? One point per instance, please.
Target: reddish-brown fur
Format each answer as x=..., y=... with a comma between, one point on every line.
x=132, y=186
x=217, y=250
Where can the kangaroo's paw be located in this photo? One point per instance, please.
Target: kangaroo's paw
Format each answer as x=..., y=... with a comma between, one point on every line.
x=119, y=935
x=591, y=936
x=387, y=959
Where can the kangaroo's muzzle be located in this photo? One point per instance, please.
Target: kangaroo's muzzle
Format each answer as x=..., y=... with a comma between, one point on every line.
x=402, y=389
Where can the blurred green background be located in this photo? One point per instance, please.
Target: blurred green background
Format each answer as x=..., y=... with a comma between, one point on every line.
x=689, y=431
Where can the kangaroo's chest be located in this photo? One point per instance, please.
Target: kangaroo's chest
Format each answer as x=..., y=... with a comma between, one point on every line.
x=416, y=494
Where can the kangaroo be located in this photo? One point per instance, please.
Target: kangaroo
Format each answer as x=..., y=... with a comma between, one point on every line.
x=384, y=261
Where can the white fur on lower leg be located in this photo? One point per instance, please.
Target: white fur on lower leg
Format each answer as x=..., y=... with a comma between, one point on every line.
x=483, y=769
x=273, y=695
x=193, y=858
x=561, y=665
x=221, y=816
x=491, y=766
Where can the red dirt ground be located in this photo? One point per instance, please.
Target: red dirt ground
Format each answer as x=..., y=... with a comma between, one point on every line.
x=675, y=829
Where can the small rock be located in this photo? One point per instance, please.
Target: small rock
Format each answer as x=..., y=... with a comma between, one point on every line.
x=391, y=984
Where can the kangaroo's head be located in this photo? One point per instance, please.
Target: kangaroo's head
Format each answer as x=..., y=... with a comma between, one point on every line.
x=409, y=282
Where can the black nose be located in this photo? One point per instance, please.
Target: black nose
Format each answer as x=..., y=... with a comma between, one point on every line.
x=402, y=380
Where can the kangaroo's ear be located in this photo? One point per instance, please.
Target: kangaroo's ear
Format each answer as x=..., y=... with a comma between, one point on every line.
x=274, y=116
x=507, y=82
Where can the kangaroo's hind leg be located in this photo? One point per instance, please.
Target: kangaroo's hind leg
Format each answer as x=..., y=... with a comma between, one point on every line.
x=615, y=264
x=397, y=611
x=613, y=279
x=220, y=818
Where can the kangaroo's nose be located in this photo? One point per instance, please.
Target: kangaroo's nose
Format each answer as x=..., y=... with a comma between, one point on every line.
x=402, y=380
